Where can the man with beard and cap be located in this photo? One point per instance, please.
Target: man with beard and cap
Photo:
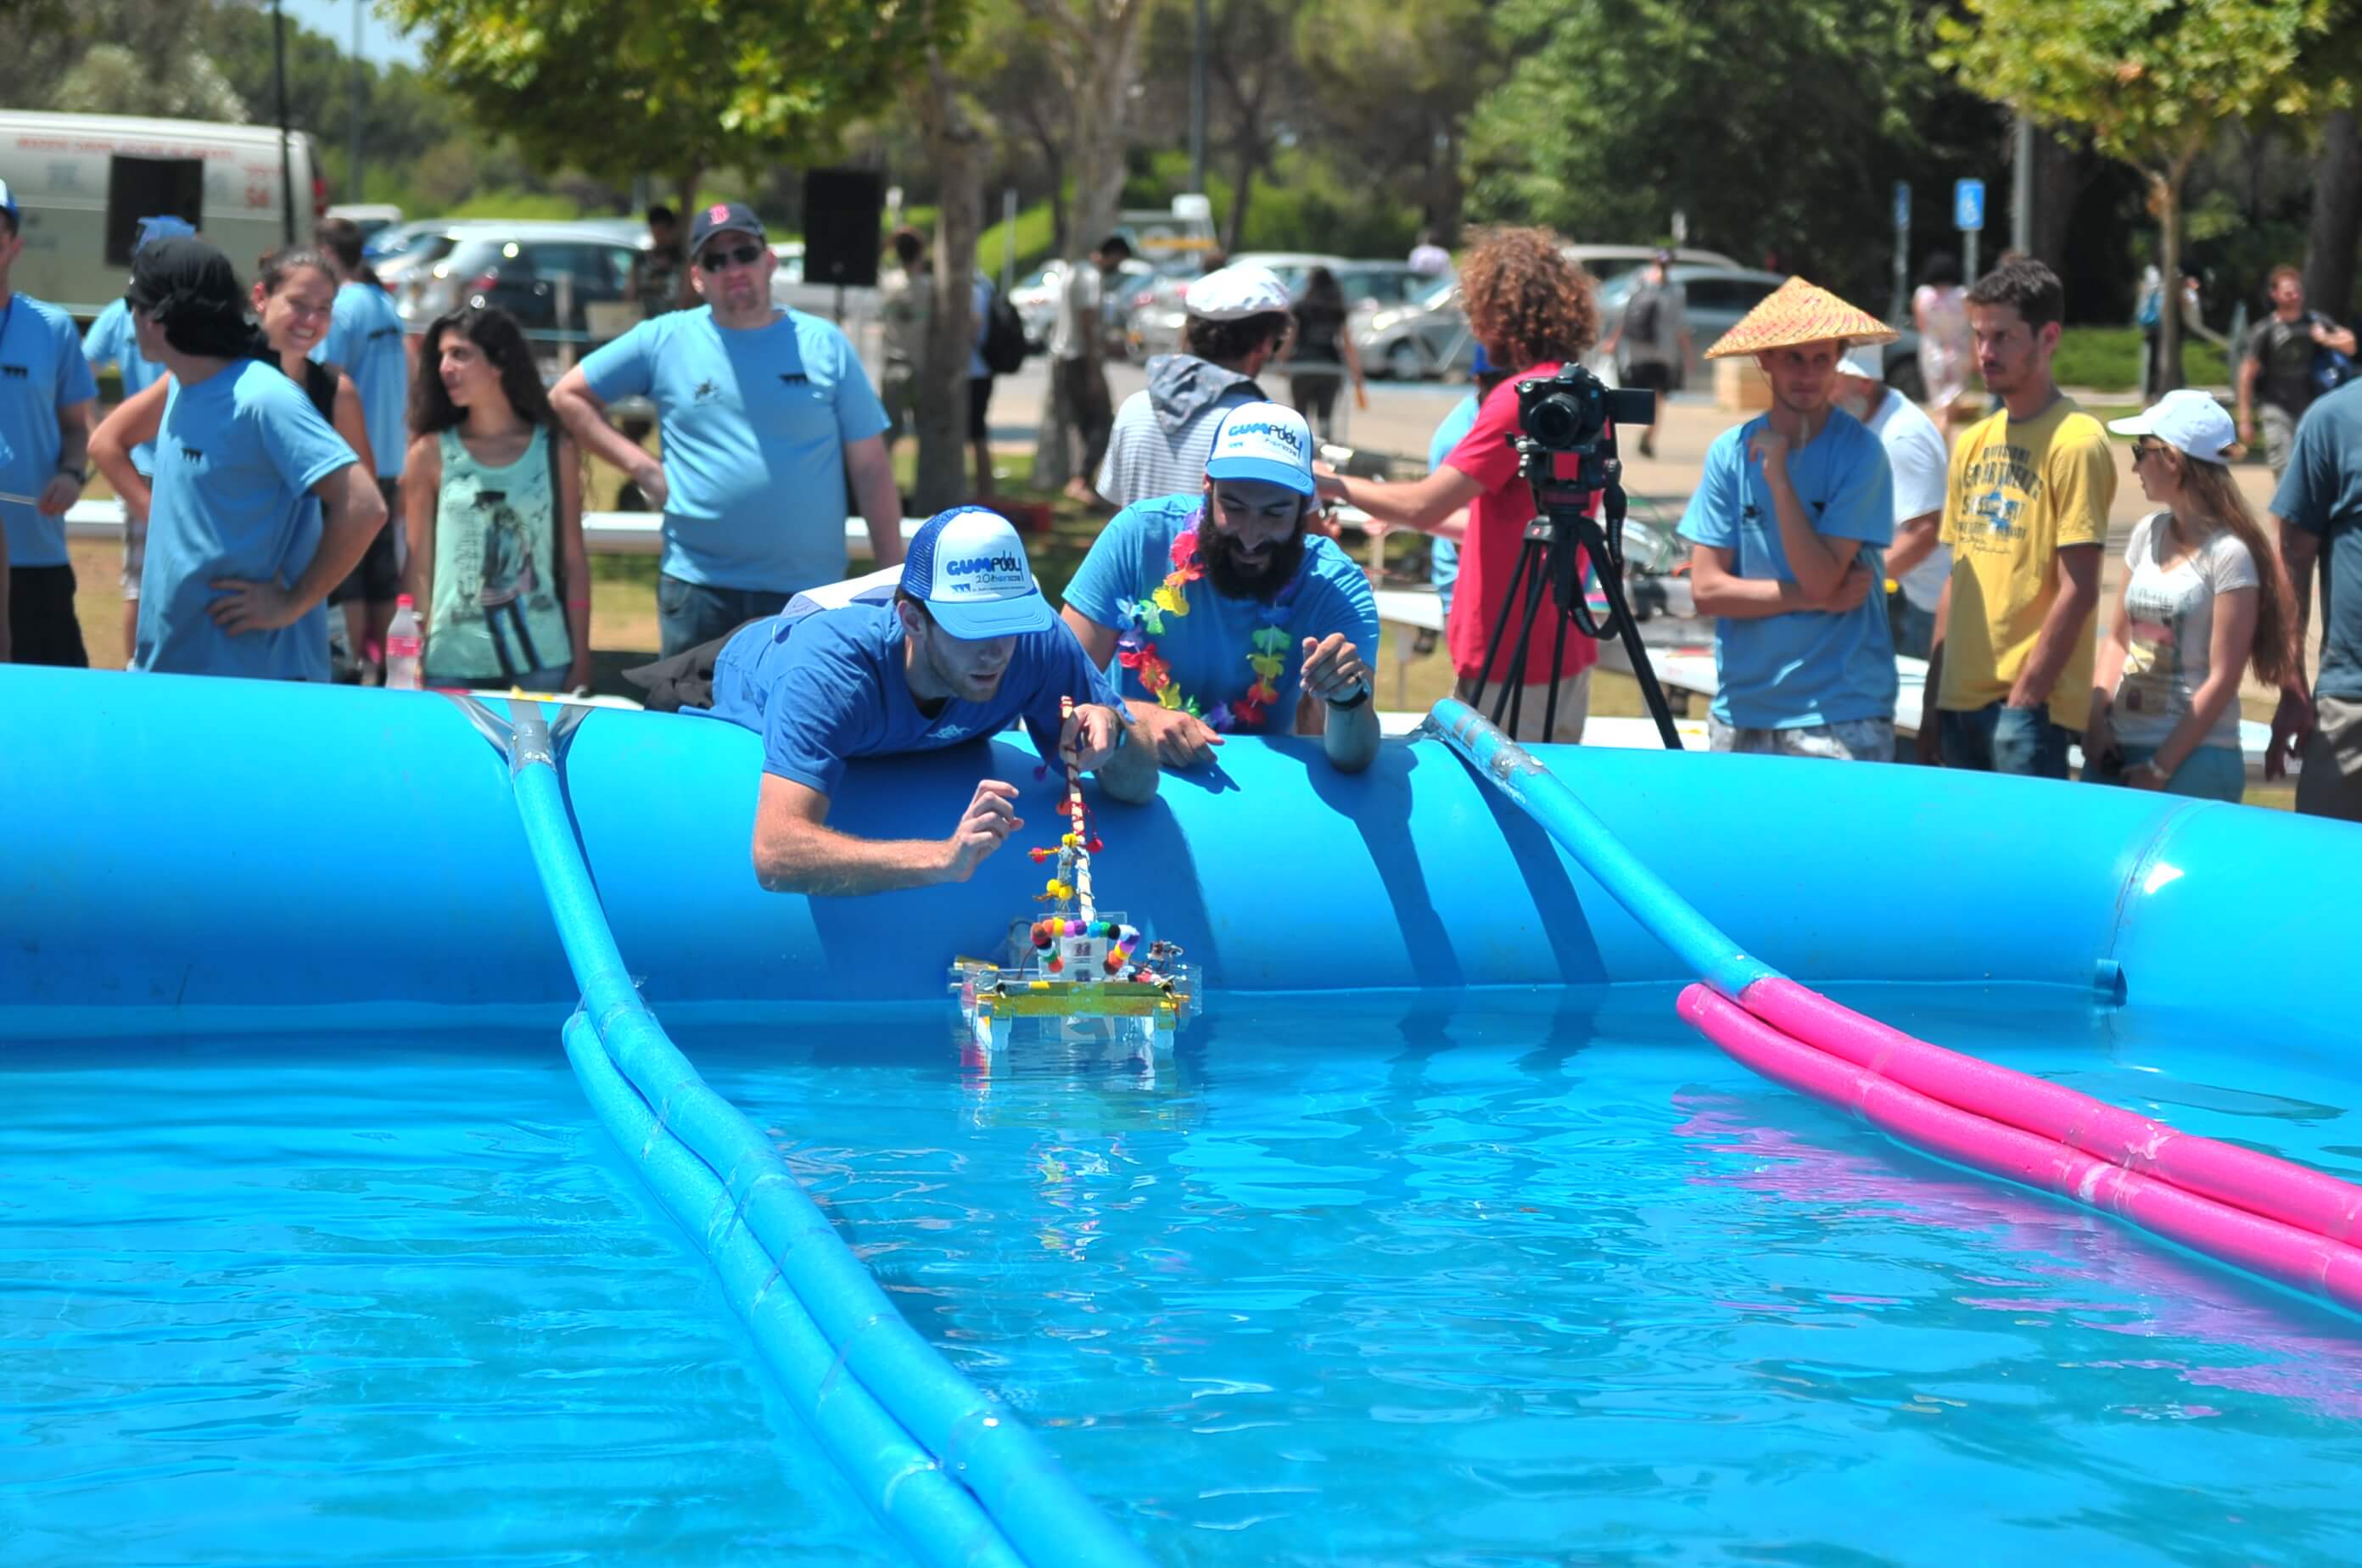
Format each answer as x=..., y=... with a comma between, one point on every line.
x=1784, y=530
x=47, y=396
x=953, y=645
x=1917, y=561
x=1238, y=317
x=111, y=342
x=763, y=414
x=260, y=507
x=1239, y=627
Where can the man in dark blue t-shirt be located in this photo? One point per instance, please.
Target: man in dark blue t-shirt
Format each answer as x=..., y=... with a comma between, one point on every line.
x=961, y=646
x=2319, y=504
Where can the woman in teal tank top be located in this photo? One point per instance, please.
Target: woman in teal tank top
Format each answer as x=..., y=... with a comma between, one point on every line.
x=493, y=490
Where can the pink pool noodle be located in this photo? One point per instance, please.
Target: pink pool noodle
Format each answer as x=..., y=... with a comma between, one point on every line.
x=2262, y=1184
x=2238, y=1236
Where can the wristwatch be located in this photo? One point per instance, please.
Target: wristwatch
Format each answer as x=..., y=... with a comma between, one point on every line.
x=82, y=476
x=1361, y=695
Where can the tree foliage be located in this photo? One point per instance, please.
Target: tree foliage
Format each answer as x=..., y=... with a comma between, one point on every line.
x=1391, y=89
x=615, y=89
x=2150, y=83
x=1777, y=126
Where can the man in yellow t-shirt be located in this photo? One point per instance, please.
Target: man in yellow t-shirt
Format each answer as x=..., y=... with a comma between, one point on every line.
x=2026, y=512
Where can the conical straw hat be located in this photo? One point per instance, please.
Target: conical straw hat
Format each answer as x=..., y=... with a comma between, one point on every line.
x=1799, y=312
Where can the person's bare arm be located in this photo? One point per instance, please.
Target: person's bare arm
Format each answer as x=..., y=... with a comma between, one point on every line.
x=2299, y=549
x=1177, y=739
x=134, y=421
x=2340, y=338
x=422, y=495
x=1817, y=562
x=585, y=417
x=574, y=560
x=347, y=417
x=2227, y=648
x=1915, y=541
x=2247, y=399
x=1334, y=668
x=2078, y=570
x=74, y=420
x=1718, y=592
x=871, y=468
x=2293, y=719
x=1927, y=743
x=351, y=512
x=2107, y=670
x=1421, y=504
x=796, y=852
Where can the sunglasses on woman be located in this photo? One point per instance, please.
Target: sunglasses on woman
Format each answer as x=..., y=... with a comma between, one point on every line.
x=743, y=256
x=2147, y=449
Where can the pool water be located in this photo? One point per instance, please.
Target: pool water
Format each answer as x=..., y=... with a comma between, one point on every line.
x=350, y=1301
x=1496, y=1279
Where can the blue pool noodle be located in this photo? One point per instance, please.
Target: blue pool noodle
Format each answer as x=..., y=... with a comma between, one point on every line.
x=992, y=1453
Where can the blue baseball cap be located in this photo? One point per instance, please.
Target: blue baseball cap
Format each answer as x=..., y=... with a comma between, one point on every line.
x=969, y=567
x=164, y=226
x=1266, y=441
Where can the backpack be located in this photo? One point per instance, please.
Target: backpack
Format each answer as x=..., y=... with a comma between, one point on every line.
x=1640, y=315
x=2330, y=370
x=1004, y=337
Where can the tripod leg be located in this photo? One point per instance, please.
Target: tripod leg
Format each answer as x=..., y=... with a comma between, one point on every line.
x=1513, y=691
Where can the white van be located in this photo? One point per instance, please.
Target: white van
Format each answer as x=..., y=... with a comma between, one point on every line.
x=83, y=182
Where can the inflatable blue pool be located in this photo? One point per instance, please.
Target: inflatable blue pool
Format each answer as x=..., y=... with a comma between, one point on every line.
x=353, y=1138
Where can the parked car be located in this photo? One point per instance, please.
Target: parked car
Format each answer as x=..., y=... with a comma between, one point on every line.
x=371, y=217
x=1428, y=335
x=523, y=268
x=1153, y=324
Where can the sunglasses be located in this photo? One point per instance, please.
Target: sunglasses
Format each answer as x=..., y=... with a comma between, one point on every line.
x=743, y=256
x=2147, y=449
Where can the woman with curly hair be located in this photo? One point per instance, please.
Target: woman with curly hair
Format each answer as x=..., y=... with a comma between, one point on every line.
x=1533, y=310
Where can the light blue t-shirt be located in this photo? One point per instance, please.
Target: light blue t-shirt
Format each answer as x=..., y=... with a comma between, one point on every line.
x=1807, y=666
x=114, y=340
x=1207, y=649
x=364, y=341
x=824, y=686
x=41, y=371
x=1444, y=556
x=2322, y=493
x=236, y=457
x=754, y=426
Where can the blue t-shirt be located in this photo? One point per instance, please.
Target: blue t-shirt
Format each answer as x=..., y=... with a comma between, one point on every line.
x=1443, y=555
x=41, y=371
x=754, y=426
x=824, y=686
x=236, y=460
x=2322, y=493
x=113, y=340
x=1806, y=667
x=364, y=341
x=1207, y=649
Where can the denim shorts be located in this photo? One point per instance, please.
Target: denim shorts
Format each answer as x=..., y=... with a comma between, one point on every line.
x=689, y=613
x=2208, y=773
x=1843, y=740
x=1998, y=738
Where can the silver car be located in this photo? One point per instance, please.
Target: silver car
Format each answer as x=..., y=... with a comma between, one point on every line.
x=1429, y=336
x=1715, y=299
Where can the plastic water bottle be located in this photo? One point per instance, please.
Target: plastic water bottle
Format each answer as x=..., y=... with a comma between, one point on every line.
x=402, y=648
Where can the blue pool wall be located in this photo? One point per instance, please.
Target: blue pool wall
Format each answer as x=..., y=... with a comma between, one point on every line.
x=187, y=855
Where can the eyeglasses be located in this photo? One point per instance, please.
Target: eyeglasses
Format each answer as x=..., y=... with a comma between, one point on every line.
x=743, y=256
x=2147, y=449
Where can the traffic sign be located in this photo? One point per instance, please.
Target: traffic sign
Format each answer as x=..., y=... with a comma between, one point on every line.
x=1968, y=205
x=1903, y=203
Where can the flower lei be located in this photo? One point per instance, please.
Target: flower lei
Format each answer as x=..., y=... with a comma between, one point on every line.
x=1267, y=654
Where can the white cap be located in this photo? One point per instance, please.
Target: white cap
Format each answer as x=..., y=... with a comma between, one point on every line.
x=1266, y=441
x=969, y=566
x=2191, y=422
x=1235, y=292
x=1862, y=360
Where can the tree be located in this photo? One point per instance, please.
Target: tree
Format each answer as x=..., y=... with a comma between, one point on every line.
x=2336, y=215
x=1392, y=87
x=615, y=89
x=113, y=57
x=1256, y=84
x=955, y=144
x=1091, y=48
x=2151, y=84
x=1775, y=126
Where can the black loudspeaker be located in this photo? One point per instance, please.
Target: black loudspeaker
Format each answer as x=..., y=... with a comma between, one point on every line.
x=844, y=212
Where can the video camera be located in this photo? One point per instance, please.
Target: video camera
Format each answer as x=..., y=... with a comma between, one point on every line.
x=1570, y=411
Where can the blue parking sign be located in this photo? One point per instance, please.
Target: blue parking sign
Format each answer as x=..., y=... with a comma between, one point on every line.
x=1968, y=205
x=1903, y=203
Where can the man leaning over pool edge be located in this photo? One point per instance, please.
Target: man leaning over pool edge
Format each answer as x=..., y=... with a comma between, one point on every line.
x=965, y=643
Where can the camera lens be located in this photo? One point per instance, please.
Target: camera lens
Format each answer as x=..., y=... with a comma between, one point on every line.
x=1559, y=421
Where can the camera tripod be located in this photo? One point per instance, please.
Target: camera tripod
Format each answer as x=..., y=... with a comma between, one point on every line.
x=1549, y=562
